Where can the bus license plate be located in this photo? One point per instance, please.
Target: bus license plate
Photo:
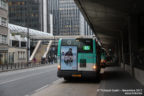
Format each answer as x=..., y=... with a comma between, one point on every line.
x=77, y=75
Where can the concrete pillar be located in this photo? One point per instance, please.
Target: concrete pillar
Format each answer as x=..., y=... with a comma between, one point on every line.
x=29, y=49
x=10, y=43
x=132, y=30
x=118, y=51
x=122, y=49
x=130, y=43
x=115, y=51
x=45, y=15
x=19, y=44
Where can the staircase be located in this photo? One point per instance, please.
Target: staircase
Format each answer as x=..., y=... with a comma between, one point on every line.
x=41, y=50
x=40, y=53
x=35, y=50
x=47, y=49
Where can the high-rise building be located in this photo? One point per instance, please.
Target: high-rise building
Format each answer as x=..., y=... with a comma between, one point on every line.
x=60, y=17
x=85, y=29
x=66, y=18
x=3, y=32
x=69, y=16
x=28, y=13
x=53, y=16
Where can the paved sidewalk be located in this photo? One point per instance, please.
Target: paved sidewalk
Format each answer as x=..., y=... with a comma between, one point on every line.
x=116, y=82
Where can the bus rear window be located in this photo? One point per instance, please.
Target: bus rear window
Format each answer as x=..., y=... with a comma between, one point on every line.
x=84, y=45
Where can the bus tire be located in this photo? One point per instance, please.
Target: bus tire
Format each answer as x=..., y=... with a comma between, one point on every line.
x=98, y=78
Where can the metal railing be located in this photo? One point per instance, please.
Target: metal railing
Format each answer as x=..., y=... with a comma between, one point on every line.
x=18, y=66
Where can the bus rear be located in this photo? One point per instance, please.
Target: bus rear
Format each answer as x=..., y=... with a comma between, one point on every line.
x=77, y=58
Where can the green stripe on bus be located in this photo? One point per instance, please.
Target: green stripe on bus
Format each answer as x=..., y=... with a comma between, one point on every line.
x=59, y=47
x=89, y=57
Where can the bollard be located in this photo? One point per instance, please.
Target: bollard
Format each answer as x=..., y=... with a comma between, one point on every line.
x=7, y=66
x=2, y=67
x=15, y=65
x=25, y=65
x=21, y=65
x=11, y=65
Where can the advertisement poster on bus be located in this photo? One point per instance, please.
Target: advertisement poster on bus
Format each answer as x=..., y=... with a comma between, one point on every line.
x=68, y=57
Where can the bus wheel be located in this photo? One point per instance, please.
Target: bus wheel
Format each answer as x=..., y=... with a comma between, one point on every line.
x=98, y=78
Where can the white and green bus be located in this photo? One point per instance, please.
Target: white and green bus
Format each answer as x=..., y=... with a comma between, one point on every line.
x=79, y=57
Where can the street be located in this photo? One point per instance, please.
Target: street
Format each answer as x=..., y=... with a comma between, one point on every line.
x=26, y=81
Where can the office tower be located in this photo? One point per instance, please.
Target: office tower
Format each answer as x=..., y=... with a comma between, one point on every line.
x=28, y=13
x=53, y=16
x=66, y=19
x=69, y=16
x=85, y=28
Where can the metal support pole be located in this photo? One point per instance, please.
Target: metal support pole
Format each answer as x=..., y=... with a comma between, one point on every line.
x=27, y=46
x=28, y=38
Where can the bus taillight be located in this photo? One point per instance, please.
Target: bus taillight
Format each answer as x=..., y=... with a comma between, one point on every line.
x=94, y=67
x=58, y=67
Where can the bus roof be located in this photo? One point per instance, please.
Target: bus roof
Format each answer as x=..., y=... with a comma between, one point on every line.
x=79, y=37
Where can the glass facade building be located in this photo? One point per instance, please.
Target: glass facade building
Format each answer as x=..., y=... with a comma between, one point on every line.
x=53, y=13
x=61, y=17
x=28, y=13
x=67, y=18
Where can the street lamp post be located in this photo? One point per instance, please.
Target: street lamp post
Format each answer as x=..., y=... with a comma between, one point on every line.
x=28, y=39
x=28, y=46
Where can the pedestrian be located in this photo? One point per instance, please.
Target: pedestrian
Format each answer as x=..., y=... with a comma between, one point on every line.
x=49, y=59
x=34, y=60
x=55, y=58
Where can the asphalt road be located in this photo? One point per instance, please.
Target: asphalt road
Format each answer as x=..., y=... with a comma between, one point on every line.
x=27, y=81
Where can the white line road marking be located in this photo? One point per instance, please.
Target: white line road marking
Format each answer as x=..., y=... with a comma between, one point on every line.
x=44, y=87
x=24, y=77
x=41, y=88
x=27, y=95
x=54, y=82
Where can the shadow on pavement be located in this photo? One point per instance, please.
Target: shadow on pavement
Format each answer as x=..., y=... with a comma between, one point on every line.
x=83, y=80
